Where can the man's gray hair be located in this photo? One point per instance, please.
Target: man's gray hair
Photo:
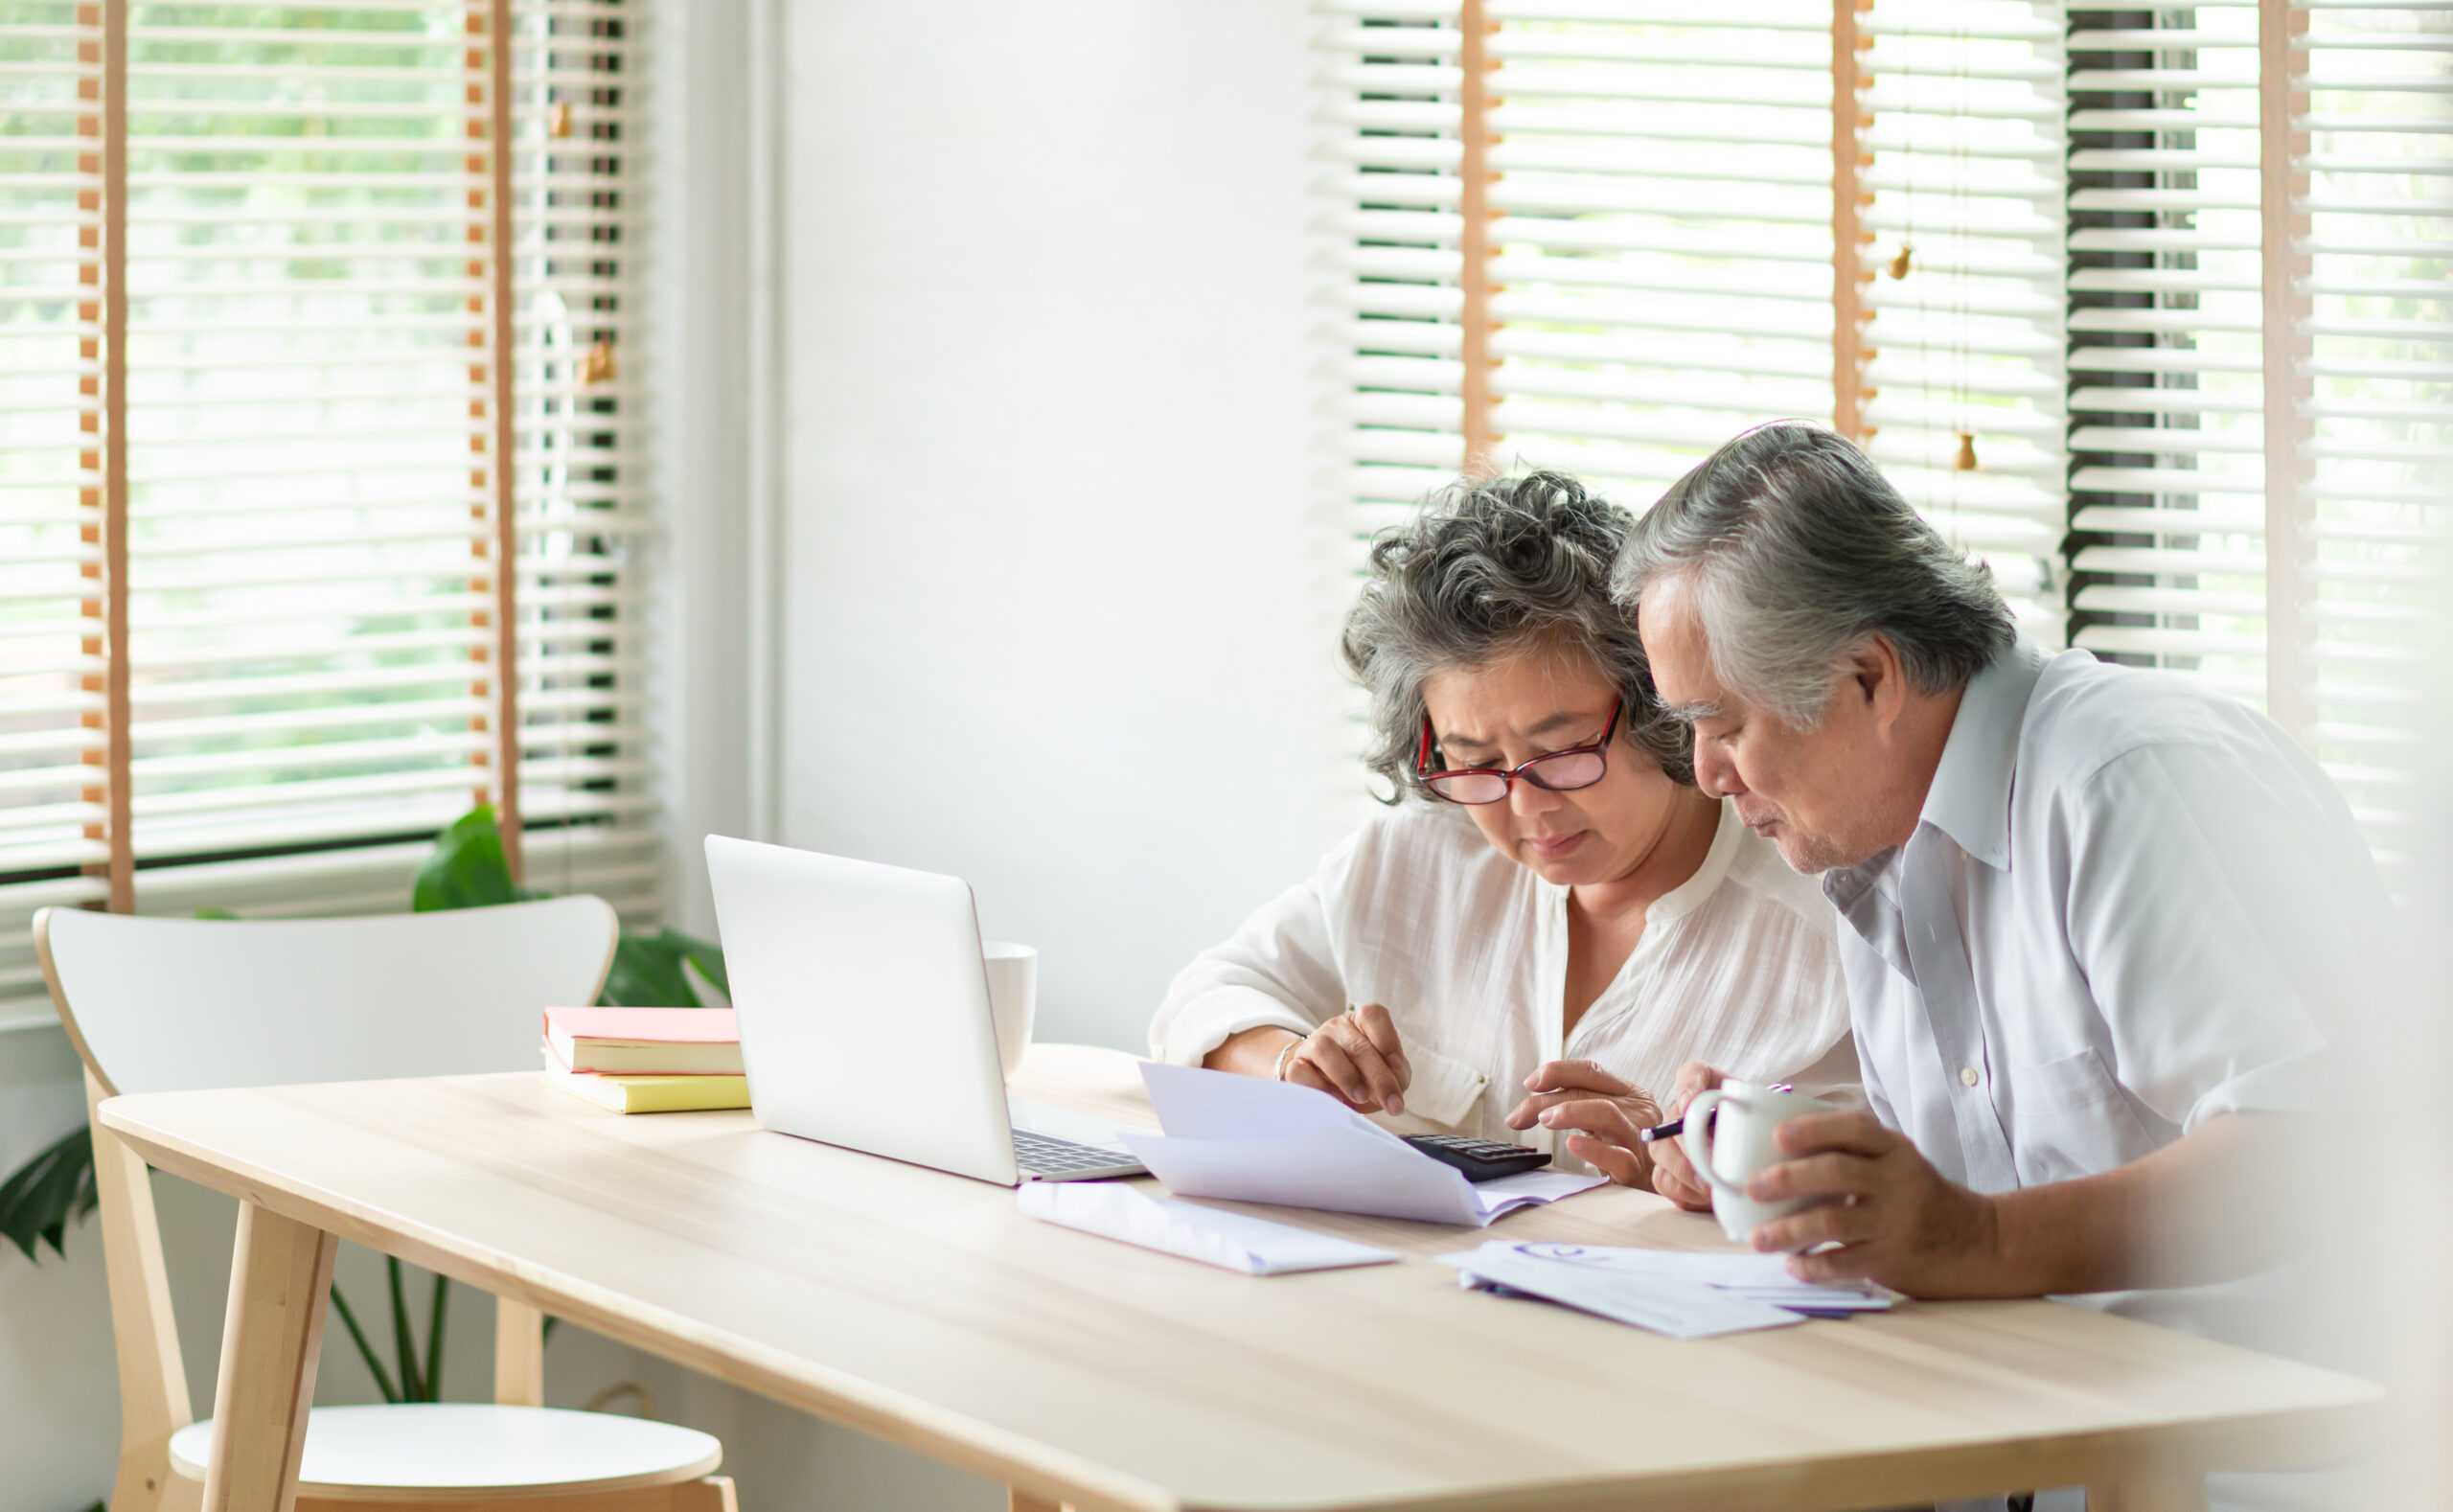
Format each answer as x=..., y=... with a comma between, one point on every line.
x=1798, y=552
x=1487, y=570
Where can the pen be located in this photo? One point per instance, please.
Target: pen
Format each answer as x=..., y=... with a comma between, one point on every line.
x=1677, y=1126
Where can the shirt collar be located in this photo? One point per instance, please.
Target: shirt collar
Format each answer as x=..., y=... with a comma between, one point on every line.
x=1728, y=833
x=1970, y=797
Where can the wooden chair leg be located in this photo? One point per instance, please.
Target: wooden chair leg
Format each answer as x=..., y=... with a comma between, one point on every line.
x=145, y=1482
x=519, y=1354
x=714, y=1494
x=179, y=1492
x=1018, y=1499
x=152, y=1380
x=281, y=1272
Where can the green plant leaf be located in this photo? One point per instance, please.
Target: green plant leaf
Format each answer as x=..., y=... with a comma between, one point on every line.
x=708, y=958
x=647, y=972
x=214, y=913
x=469, y=869
x=365, y=1350
x=404, y=1342
x=43, y=1197
x=433, y=1370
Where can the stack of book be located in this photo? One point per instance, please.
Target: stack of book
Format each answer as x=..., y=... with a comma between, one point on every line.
x=646, y=1060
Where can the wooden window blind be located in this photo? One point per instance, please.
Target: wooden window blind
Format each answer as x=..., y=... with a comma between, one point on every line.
x=1692, y=220
x=2263, y=376
x=1960, y=162
x=2144, y=307
x=54, y=672
x=2357, y=210
x=2165, y=367
x=340, y=414
x=1579, y=236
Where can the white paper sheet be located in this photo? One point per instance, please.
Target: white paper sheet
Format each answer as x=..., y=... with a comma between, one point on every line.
x=1759, y=1277
x=1235, y=1241
x=1251, y=1140
x=1660, y=1302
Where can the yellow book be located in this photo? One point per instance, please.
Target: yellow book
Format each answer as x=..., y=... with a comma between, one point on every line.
x=650, y=1095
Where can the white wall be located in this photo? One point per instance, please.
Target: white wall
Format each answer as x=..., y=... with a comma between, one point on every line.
x=699, y=341
x=1046, y=420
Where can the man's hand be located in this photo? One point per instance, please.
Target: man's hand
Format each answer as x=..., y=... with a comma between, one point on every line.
x=1357, y=1059
x=1673, y=1176
x=1897, y=1220
x=1604, y=1110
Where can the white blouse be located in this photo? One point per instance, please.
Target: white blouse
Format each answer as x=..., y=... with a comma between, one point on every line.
x=1738, y=966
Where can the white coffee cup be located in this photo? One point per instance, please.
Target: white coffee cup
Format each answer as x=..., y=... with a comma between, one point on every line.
x=1730, y=1136
x=1013, y=997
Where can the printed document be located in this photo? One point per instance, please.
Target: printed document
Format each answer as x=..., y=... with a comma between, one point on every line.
x=1759, y=1277
x=1234, y=1241
x=1662, y=1303
x=1683, y=1295
x=1251, y=1140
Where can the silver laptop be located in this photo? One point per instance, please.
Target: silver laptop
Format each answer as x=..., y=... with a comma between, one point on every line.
x=862, y=1002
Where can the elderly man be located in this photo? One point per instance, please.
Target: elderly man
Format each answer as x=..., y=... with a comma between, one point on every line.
x=2099, y=921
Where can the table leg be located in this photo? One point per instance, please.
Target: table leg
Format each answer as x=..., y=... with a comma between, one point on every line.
x=281, y=1273
x=1018, y=1499
x=2149, y=1494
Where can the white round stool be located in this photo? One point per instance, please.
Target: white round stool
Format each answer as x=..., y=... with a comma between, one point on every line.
x=388, y=1452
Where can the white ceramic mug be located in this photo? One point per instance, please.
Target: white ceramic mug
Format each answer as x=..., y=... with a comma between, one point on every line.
x=1730, y=1136
x=1013, y=997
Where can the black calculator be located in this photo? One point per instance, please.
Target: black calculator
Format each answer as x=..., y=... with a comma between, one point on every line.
x=1480, y=1159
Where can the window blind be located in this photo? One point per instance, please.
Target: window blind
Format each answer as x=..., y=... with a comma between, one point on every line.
x=315, y=418
x=1662, y=273
x=1659, y=243
x=2168, y=492
x=2369, y=138
x=2268, y=283
x=1655, y=263
x=310, y=564
x=581, y=177
x=1962, y=169
x=1392, y=141
x=51, y=667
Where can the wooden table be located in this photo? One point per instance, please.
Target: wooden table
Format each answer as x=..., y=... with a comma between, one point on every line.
x=924, y=1309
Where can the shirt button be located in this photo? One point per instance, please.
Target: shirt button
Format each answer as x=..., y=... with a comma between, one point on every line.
x=1967, y=1076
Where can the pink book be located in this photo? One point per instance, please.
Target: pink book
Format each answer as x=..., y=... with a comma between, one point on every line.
x=668, y=1041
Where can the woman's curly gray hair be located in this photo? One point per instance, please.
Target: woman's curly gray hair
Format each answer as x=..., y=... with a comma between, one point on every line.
x=1489, y=569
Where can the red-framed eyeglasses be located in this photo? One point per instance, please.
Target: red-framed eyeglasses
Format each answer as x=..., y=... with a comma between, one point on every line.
x=1556, y=772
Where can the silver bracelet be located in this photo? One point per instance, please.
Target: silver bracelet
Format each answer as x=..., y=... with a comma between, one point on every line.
x=1291, y=1045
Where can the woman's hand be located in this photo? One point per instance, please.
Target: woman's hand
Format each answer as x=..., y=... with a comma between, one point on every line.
x=1356, y=1058
x=1673, y=1176
x=1604, y=1111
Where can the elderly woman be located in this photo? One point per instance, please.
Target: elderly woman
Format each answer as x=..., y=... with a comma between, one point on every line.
x=1547, y=906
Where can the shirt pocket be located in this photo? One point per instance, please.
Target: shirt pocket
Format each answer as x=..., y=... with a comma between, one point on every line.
x=1444, y=1089
x=2069, y=1118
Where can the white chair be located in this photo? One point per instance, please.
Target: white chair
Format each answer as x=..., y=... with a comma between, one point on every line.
x=172, y=1004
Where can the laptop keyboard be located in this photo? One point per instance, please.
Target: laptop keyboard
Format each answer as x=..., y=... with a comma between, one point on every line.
x=1044, y=1155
